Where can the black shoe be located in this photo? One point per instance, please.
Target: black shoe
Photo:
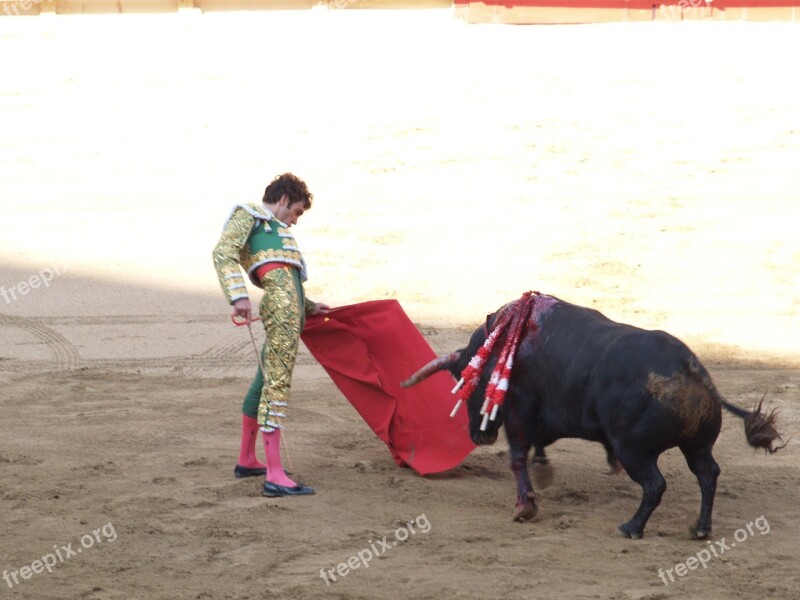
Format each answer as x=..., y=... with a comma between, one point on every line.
x=273, y=490
x=241, y=471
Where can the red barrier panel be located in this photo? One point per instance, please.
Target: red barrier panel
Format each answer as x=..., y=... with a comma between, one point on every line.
x=637, y=4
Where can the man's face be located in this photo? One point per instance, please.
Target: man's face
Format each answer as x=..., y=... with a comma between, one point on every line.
x=287, y=213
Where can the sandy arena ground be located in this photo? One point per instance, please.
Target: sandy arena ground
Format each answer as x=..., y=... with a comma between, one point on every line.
x=648, y=170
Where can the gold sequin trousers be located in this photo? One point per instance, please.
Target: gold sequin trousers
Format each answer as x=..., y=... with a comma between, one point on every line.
x=282, y=314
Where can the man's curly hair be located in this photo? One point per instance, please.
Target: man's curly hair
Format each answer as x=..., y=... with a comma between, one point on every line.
x=292, y=186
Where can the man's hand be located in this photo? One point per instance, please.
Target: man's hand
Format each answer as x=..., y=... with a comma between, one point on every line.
x=243, y=309
x=320, y=308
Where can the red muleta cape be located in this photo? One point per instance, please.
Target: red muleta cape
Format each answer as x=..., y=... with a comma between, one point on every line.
x=368, y=349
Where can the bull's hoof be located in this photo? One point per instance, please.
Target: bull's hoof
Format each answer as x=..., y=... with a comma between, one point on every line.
x=525, y=509
x=542, y=474
x=700, y=533
x=614, y=468
x=524, y=512
x=628, y=532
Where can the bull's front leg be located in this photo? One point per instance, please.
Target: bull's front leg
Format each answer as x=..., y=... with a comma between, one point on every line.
x=541, y=469
x=526, y=508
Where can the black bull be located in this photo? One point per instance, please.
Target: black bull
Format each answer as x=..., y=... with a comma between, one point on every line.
x=578, y=374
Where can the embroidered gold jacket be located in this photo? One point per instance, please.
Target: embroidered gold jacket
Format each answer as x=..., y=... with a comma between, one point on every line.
x=252, y=237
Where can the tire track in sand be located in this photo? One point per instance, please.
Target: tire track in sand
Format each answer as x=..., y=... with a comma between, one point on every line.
x=65, y=355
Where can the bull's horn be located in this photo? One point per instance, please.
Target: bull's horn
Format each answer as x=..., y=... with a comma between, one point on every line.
x=437, y=364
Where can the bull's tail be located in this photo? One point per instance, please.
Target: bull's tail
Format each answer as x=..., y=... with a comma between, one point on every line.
x=759, y=427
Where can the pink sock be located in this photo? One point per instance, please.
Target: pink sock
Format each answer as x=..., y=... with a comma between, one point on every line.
x=247, y=451
x=272, y=449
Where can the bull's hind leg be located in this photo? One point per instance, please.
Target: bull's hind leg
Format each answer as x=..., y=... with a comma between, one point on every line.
x=702, y=464
x=644, y=471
